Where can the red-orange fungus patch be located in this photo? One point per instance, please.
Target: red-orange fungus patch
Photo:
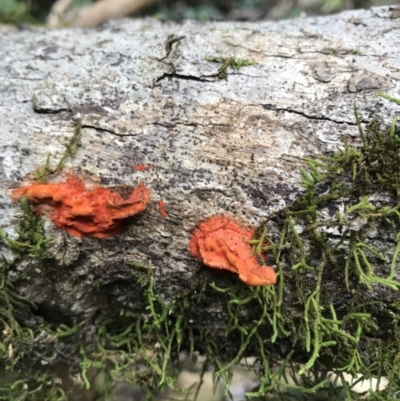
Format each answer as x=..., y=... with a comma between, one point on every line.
x=141, y=167
x=82, y=212
x=223, y=244
x=161, y=209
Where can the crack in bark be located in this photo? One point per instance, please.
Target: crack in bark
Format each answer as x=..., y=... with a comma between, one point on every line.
x=180, y=76
x=50, y=111
x=171, y=125
x=310, y=117
x=203, y=78
x=101, y=129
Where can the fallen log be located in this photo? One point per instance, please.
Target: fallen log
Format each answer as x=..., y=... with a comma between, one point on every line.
x=214, y=119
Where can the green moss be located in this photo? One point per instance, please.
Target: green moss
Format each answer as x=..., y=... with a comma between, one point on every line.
x=14, y=335
x=333, y=320
x=42, y=173
x=44, y=386
x=72, y=146
x=111, y=345
x=31, y=238
x=388, y=97
x=235, y=64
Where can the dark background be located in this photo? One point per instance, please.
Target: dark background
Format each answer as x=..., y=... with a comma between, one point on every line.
x=36, y=11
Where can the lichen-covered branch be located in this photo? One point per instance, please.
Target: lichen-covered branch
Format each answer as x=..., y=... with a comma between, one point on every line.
x=254, y=122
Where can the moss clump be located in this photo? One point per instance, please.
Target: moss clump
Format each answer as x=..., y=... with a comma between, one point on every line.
x=42, y=173
x=140, y=348
x=30, y=242
x=345, y=228
x=232, y=62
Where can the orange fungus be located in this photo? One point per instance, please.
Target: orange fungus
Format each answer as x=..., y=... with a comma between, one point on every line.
x=141, y=167
x=82, y=212
x=221, y=243
x=161, y=209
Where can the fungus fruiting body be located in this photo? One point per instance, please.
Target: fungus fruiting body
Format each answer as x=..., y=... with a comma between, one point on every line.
x=161, y=209
x=83, y=212
x=141, y=167
x=223, y=244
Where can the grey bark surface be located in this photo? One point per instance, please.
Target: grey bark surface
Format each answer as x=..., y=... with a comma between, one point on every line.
x=231, y=146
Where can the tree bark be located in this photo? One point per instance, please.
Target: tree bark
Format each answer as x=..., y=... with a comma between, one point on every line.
x=216, y=144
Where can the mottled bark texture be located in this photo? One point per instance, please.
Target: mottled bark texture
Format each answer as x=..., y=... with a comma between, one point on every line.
x=231, y=145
